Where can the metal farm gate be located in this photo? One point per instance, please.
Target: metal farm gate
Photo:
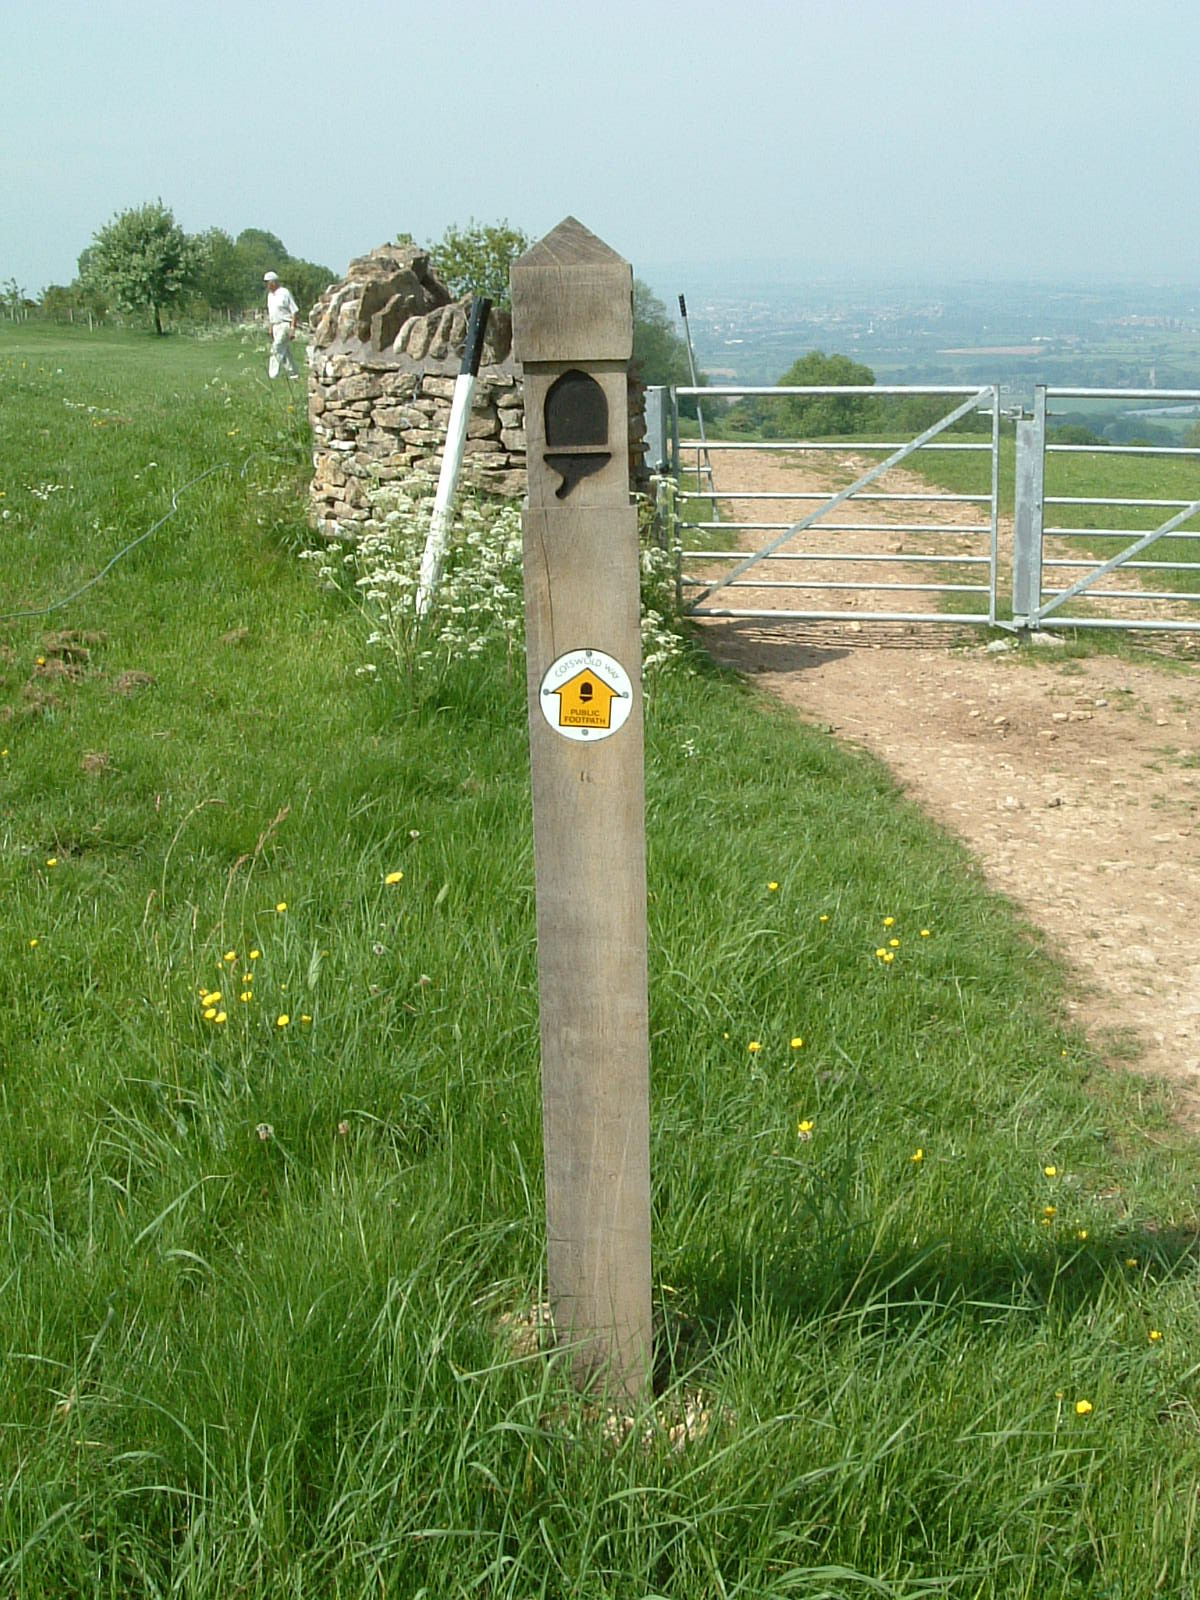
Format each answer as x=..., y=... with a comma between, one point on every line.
x=1090, y=524
x=831, y=529
x=839, y=530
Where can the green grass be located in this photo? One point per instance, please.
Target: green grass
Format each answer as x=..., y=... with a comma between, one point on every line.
x=263, y=1363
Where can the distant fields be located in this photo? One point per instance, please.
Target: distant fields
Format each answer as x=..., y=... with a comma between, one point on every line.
x=924, y=1260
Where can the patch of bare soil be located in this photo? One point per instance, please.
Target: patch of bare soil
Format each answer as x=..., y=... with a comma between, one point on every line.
x=1076, y=783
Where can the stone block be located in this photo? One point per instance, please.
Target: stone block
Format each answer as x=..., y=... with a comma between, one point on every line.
x=439, y=388
x=398, y=418
x=388, y=304
x=359, y=386
x=440, y=334
x=419, y=338
x=513, y=438
x=497, y=337
x=510, y=484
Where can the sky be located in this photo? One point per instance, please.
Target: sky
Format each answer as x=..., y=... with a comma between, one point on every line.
x=874, y=140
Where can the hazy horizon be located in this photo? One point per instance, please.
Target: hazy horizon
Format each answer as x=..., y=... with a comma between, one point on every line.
x=868, y=143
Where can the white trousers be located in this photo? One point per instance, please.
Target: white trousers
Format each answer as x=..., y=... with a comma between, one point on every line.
x=281, y=351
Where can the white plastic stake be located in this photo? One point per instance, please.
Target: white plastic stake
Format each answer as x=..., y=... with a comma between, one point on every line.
x=456, y=438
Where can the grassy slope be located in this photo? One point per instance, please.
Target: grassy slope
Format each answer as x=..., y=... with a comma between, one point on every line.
x=271, y=1365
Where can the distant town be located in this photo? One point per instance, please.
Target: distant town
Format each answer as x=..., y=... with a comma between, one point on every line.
x=1125, y=336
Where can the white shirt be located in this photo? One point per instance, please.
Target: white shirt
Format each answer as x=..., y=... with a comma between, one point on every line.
x=280, y=305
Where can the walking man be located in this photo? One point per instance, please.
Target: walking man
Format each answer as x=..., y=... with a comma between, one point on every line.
x=282, y=312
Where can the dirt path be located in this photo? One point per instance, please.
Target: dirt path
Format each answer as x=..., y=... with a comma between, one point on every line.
x=1076, y=783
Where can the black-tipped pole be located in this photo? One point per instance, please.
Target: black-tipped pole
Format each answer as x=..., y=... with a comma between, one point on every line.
x=476, y=328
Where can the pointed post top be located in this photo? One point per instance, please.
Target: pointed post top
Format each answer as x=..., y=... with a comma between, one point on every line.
x=570, y=244
x=572, y=299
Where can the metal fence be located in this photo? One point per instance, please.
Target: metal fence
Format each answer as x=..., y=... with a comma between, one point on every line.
x=1046, y=553
x=836, y=550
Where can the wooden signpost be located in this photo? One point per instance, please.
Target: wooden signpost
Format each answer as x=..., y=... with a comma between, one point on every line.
x=573, y=333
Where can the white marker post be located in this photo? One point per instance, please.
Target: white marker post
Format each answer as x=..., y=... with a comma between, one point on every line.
x=452, y=456
x=573, y=333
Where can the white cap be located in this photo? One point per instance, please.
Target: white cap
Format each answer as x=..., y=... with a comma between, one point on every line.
x=270, y=277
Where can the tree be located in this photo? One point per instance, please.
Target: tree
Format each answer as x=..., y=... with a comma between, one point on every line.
x=12, y=297
x=476, y=259
x=260, y=251
x=144, y=258
x=307, y=280
x=60, y=302
x=1073, y=433
x=805, y=416
x=659, y=353
x=811, y=417
x=221, y=278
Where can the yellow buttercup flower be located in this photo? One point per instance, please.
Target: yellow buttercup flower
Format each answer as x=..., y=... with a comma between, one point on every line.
x=924, y=933
x=797, y=1043
x=889, y=956
x=281, y=905
x=895, y=943
x=52, y=861
x=881, y=952
x=804, y=1129
x=230, y=956
x=772, y=886
x=1049, y=1211
x=1083, y=1408
x=918, y=1156
x=282, y=1020
x=393, y=877
x=254, y=954
x=754, y=1047
x=889, y=922
x=245, y=995
x=33, y=944
x=824, y=917
x=1051, y=1172
x=220, y=1017
x=1155, y=1336
x=209, y=1013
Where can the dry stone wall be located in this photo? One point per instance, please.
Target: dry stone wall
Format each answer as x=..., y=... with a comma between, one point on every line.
x=386, y=347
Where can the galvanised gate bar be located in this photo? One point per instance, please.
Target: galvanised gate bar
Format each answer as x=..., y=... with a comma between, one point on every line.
x=842, y=547
x=862, y=544
x=1046, y=551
